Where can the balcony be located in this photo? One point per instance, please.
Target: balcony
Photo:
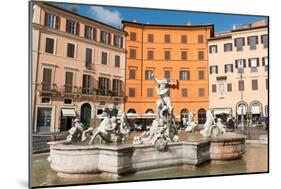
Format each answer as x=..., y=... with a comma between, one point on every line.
x=48, y=89
x=70, y=90
x=101, y=92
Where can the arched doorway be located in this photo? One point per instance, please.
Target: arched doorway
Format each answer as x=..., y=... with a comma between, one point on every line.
x=132, y=111
x=149, y=111
x=184, y=116
x=86, y=112
x=255, y=112
x=241, y=110
x=201, y=116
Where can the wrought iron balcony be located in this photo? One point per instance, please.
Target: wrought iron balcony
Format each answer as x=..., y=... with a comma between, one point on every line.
x=48, y=88
x=70, y=90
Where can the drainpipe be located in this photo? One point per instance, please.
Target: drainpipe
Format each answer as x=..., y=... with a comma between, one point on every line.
x=141, y=56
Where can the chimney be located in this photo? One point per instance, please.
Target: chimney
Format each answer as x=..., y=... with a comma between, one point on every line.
x=188, y=23
x=233, y=27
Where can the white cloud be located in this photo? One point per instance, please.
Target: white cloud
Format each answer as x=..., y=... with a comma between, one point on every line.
x=107, y=16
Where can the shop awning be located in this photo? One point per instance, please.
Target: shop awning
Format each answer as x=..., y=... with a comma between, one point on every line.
x=133, y=115
x=255, y=109
x=222, y=111
x=68, y=112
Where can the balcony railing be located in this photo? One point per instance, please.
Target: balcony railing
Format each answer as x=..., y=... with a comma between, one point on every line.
x=70, y=90
x=101, y=92
x=48, y=88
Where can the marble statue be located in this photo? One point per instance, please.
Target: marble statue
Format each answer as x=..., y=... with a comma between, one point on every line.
x=163, y=128
x=109, y=130
x=75, y=133
x=191, y=125
x=211, y=128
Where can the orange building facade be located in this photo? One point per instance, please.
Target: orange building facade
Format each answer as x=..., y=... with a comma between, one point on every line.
x=176, y=52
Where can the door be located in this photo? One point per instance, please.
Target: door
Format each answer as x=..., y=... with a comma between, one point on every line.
x=44, y=120
x=86, y=111
x=47, y=79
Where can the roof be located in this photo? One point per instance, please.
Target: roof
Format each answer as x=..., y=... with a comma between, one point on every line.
x=167, y=25
x=76, y=14
x=251, y=28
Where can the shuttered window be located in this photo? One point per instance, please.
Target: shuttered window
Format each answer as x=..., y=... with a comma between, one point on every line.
x=167, y=74
x=52, y=21
x=184, y=75
x=229, y=87
x=214, y=88
x=104, y=85
x=167, y=38
x=254, y=84
x=133, y=36
x=200, y=39
x=252, y=42
x=264, y=40
x=239, y=43
x=148, y=74
x=184, y=92
x=241, y=85
x=117, y=61
x=150, y=55
x=104, y=58
x=72, y=27
x=68, y=81
x=132, y=74
x=167, y=55
x=89, y=57
x=86, y=84
x=49, y=48
x=201, y=92
x=201, y=55
x=47, y=79
x=150, y=38
x=184, y=55
x=70, y=50
x=90, y=33
x=184, y=39
x=201, y=74
x=105, y=37
x=133, y=53
x=150, y=92
x=227, y=47
x=132, y=92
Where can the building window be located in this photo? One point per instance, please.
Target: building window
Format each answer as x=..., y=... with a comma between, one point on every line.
x=214, y=88
x=266, y=84
x=184, y=55
x=221, y=90
x=68, y=82
x=49, y=48
x=253, y=64
x=213, y=69
x=239, y=43
x=47, y=79
x=167, y=74
x=184, y=75
x=133, y=36
x=86, y=84
x=117, y=87
x=117, y=61
x=44, y=119
x=201, y=74
x=104, y=86
x=167, y=55
x=201, y=55
x=227, y=47
x=132, y=92
x=240, y=65
x=200, y=39
x=184, y=92
x=89, y=57
x=45, y=100
x=184, y=39
x=150, y=38
x=228, y=68
x=67, y=101
x=229, y=87
x=252, y=42
x=72, y=27
x=264, y=40
x=213, y=49
x=90, y=33
x=167, y=38
x=70, y=50
x=241, y=85
x=254, y=84
x=51, y=21
x=104, y=58
x=149, y=74
x=150, y=55
x=118, y=41
x=105, y=37
x=201, y=92
x=265, y=63
x=132, y=74
x=150, y=92
x=133, y=53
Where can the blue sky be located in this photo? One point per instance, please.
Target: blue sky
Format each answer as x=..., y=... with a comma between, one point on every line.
x=114, y=15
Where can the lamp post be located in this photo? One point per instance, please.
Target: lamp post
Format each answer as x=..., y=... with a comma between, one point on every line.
x=242, y=106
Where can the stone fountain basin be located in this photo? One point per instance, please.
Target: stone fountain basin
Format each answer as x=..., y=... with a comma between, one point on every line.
x=77, y=161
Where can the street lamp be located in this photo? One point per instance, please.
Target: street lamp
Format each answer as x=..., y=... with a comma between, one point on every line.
x=242, y=106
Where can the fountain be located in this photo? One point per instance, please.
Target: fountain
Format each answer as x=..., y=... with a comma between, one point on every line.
x=104, y=150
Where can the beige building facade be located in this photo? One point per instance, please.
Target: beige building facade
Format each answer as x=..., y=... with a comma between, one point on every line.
x=238, y=73
x=78, y=67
